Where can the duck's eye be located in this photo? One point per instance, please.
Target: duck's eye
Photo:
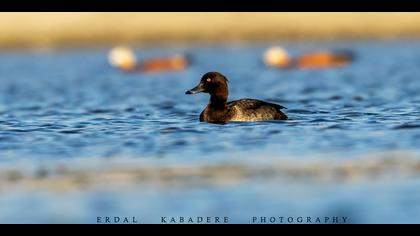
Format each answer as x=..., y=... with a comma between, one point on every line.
x=208, y=80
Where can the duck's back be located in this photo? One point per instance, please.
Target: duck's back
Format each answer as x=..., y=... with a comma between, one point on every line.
x=254, y=110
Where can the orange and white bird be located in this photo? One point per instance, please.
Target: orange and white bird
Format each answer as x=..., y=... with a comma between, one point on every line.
x=279, y=58
x=124, y=59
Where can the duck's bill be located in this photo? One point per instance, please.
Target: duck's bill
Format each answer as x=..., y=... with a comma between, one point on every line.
x=197, y=89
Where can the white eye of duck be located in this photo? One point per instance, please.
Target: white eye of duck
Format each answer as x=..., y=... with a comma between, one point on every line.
x=208, y=80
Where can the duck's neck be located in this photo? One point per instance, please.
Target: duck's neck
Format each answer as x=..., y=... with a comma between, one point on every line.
x=219, y=98
x=217, y=102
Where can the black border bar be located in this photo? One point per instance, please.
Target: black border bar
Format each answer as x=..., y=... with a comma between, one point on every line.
x=210, y=5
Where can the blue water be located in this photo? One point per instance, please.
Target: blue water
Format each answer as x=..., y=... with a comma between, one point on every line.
x=69, y=105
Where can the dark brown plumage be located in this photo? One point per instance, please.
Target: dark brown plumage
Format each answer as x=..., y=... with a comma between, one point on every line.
x=220, y=111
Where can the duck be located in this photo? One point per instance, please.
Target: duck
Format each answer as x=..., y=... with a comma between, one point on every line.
x=219, y=110
x=124, y=59
x=279, y=58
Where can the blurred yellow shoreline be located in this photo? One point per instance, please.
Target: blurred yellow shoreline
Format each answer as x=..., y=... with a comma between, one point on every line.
x=39, y=30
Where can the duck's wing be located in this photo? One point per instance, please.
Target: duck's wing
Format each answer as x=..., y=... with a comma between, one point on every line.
x=254, y=110
x=254, y=104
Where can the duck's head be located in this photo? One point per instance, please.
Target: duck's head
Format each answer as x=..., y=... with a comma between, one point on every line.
x=213, y=83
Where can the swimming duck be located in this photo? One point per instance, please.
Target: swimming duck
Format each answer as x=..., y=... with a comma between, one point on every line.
x=220, y=111
x=124, y=59
x=279, y=58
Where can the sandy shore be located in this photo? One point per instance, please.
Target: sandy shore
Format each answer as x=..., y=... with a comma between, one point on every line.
x=97, y=174
x=92, y=29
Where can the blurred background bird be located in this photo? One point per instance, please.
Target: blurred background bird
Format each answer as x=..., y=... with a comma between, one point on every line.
x=278, y=57
x=124, y=58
